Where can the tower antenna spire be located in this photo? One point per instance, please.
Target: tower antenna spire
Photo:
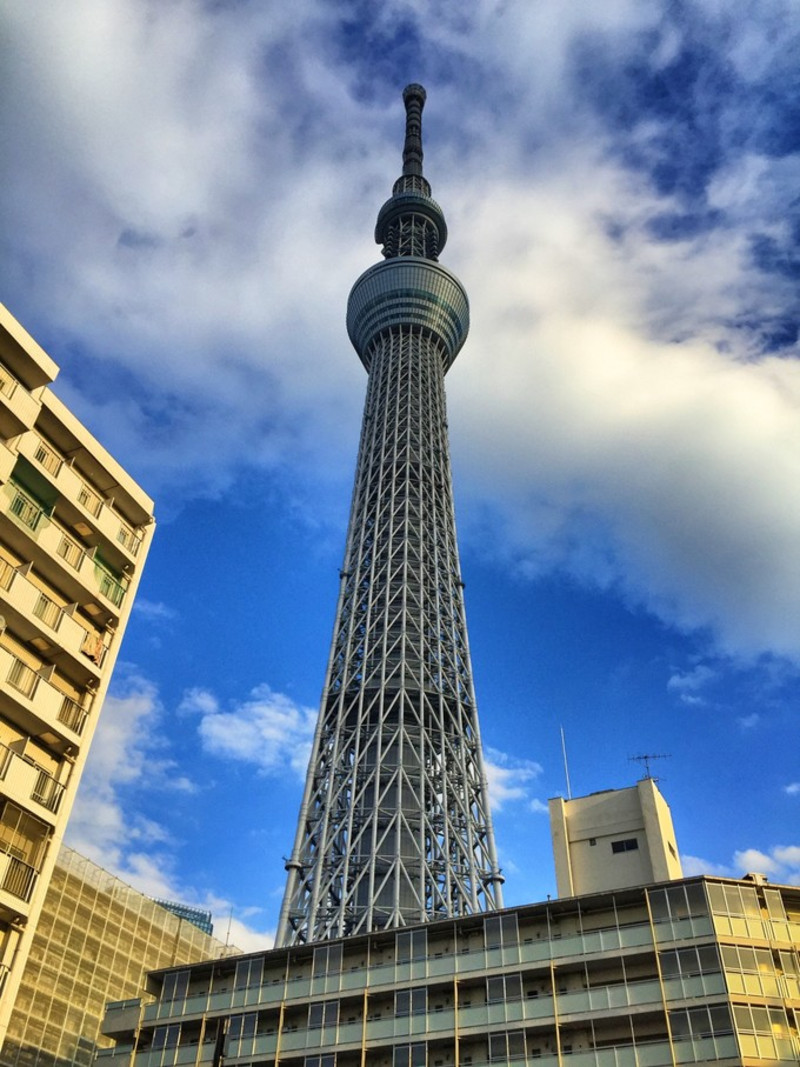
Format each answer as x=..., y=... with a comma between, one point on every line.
x=414, y=98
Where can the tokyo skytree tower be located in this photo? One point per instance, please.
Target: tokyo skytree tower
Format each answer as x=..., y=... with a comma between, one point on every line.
x=394, y=826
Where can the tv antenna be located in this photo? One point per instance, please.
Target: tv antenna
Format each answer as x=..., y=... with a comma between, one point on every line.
x=645, y=759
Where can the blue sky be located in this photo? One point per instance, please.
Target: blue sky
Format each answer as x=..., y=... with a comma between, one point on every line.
x=190, y=191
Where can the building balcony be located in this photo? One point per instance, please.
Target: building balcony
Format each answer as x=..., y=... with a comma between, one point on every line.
x=80, y=572
x=18, y=409
x=24, y=781
x=44, y=709
x=85, y=510
x=121, y=1017
x=52, y=628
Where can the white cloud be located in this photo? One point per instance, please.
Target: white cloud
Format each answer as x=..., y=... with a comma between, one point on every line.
x=614, y=412
x=692, y=865
x=153, y=611
x=269, y=729
x=509, y=779
x=752, y=859
x=793, y=789
x=127, y=751
x=129, y=754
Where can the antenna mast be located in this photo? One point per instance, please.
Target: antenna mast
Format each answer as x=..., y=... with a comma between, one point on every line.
x=645, y=759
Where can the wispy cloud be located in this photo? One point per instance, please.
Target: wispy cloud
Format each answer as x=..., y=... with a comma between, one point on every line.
x=509, y=779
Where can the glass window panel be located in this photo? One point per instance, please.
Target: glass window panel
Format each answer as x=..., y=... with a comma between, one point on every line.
x=696, y=899
x=495, y=989
x=658, y=905
x=516, y=1043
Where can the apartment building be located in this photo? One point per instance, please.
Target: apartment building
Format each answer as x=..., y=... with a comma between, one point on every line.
x=95, y=939
x=702, y=970
x=74, y=533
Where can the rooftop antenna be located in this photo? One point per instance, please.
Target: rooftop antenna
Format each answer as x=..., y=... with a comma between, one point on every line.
x=566, y=768
x=645, y=759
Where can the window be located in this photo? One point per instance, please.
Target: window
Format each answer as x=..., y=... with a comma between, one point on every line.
x=415, y=1055
x=630, y=844
x=411, y=945
x=320, y=1061
x=699, y=959
x=175, y=986
x=327, y=960
x=242, y=1026
x=166, y=1036
x=677, y=902
x=324, y=1013
x=411, y=1002
x=504, y=987
x=700, y=1022
x=506, y=1046
x=248, y=973
x=501, y=931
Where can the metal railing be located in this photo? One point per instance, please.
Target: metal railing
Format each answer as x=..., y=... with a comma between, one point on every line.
x=48, y=611
x=110, y=586
x=8, y=383
x=72, y=715
x=128, y=539
x=90, y=500
x=48, y=458
x=6, y=573
x=19, y=878
x=47, y=791
x=23, y=678
x=26, y=509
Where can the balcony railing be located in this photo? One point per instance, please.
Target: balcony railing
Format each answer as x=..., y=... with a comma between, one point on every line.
x=48, y=611
x=71, y=552
x=48, y=458
x=8, y=383
x=90, y=500
x=110, y=585
x=26, y=509
x=47, y=791
x=6, y=573
x=23, y=677
x=18, y=878
x=129, y=539
x=72, y=715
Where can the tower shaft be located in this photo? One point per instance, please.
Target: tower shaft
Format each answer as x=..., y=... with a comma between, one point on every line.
x=394, y=827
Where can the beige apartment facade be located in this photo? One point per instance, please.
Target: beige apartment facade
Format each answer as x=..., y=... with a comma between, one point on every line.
x=95, y=939
x=74, y=533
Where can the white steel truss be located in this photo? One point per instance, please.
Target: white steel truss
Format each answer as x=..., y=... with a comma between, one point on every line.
x=395, y=828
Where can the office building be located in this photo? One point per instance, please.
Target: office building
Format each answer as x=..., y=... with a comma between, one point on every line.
x=74, y=534
x=394, y=826
x=613, y=839
x=95, y=940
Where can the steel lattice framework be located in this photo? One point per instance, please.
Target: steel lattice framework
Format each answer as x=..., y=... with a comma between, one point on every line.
x=394, y=826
